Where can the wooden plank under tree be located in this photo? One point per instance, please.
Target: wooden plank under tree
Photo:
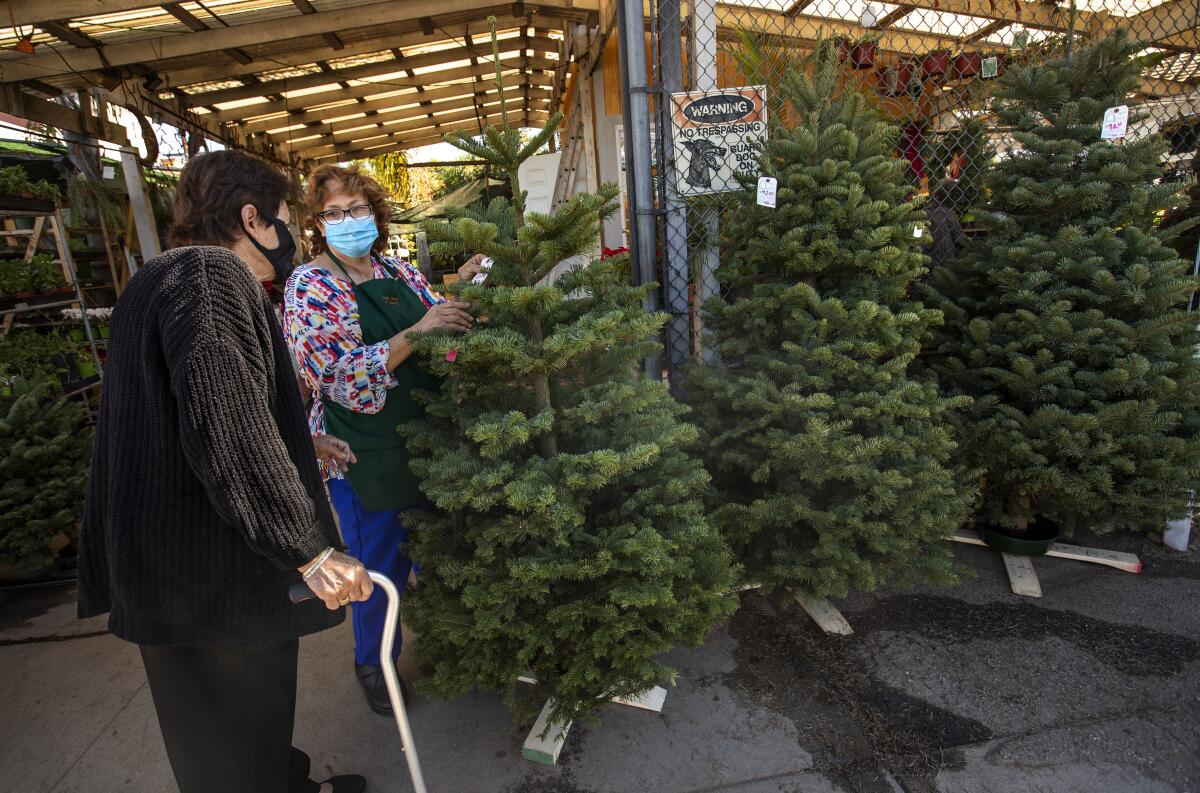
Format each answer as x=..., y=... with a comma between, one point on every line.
x=1022, y=576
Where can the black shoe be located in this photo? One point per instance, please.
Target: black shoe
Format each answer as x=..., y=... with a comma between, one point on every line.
x=370, y=677
x=347, y=783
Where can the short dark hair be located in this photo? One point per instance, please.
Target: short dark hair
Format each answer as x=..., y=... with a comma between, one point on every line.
x=212, y=190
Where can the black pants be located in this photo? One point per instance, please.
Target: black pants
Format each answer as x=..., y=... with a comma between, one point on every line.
x=226, y=715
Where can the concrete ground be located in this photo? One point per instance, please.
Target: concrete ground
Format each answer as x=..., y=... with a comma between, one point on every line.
x=1095, y=688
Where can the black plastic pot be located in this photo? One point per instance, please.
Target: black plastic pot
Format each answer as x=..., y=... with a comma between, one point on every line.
x=1037, y=539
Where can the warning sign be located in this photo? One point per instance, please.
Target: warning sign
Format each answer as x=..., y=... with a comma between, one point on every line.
x=715, y=134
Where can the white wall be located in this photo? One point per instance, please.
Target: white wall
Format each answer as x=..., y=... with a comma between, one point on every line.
x=537, y=176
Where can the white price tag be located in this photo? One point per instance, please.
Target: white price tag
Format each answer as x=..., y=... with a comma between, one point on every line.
x=766, y=191
x=1116, y=121
x=990, y=68
x=481, y=276
x=109, y=172
x=918, y=232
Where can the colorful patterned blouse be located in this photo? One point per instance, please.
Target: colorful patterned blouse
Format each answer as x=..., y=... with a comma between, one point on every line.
x=321, y=325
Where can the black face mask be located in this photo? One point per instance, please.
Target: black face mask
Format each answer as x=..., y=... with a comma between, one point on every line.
x=280, y=257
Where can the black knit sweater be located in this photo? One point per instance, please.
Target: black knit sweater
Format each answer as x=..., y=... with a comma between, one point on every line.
x=204, y=495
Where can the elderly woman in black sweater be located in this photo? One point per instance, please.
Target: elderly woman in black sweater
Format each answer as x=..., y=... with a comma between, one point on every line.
x=205, y=501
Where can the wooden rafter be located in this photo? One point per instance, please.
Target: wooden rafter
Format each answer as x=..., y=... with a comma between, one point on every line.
x=900, y=13
x=332, y=39
x=410, y=141
x=365, y=90
x=469, y=113
x=276, y=125
x=1174, y=23
x=271, y=58
x=332, y=131
x=64, y=32
x=366, y=71
x=986, y=31
x=163, y=47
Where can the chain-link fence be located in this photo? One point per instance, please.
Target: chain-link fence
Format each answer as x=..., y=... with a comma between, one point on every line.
x=930, y=67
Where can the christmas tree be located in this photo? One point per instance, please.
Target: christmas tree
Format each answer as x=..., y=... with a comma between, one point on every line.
x=1066, y=320
x=829, y=460
x=568, y=538
x=44, y=447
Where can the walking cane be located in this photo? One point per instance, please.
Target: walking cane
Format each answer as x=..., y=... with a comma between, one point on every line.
x=300, y=593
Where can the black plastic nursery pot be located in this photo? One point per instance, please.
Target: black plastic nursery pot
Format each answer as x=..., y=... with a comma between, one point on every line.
x=1037, y=539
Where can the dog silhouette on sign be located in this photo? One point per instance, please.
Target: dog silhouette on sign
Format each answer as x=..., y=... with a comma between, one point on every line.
x=704, y=161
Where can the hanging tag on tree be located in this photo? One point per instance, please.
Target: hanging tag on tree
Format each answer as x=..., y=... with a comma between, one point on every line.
x=1116, y=121
x=766, y=191
x=481, y=276
x=918, y=232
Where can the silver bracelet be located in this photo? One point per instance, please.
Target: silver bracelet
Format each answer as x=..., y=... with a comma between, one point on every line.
x=324, y=557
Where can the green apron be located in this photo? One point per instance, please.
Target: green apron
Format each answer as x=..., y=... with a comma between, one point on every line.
x=381, y=478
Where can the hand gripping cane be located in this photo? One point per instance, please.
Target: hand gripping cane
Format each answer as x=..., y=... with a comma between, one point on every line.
x=300, y=593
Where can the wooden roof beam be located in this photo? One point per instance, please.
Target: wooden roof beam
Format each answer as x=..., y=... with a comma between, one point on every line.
x=731, y=20
x=409, y=123
x=274, y=58
x=64, y=32
x=188, y=18
x=264, y=31
x=364, y=154
x=407, y=141
x=900, y=13
x=322, y=98
x=986, y=31
x=331, y=130
x=467, y=121
x=1173, y=23
x=365, y=71
x=17, y=102
x=381, y=103
x=332, y=39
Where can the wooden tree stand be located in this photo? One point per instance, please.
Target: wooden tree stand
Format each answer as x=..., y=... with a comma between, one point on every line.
x=824, y=613
x=546, y=750
x=1023, y=577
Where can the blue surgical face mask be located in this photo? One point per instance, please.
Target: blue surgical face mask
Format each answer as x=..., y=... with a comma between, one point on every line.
x=352, y=237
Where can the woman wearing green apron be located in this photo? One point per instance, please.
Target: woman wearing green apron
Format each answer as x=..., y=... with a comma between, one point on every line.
x=347, y=314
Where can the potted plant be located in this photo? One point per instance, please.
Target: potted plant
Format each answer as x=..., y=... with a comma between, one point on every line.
x=17, y=192
x=844, y=46
x=862, y=55
x=967, y=64
x=895, y=78
x=936, y=63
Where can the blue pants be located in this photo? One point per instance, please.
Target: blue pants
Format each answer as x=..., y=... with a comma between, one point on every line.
x=374, y=539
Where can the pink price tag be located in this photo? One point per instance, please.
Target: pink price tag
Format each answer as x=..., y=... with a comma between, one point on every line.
x=452, y=356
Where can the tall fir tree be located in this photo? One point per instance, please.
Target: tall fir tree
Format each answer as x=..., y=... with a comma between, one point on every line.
x=1066, y=319
x=829, y=461
x=569, y=537
x=44, y=447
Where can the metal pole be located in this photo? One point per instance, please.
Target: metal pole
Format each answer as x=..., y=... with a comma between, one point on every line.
x=676, y=275
x=143, y=217
x=702, y=43
x=638, y=165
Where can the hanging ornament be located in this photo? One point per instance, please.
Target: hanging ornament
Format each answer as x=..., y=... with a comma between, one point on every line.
x=870, y=15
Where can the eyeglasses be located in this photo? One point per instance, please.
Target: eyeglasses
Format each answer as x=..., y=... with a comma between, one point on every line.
x=336, y=216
